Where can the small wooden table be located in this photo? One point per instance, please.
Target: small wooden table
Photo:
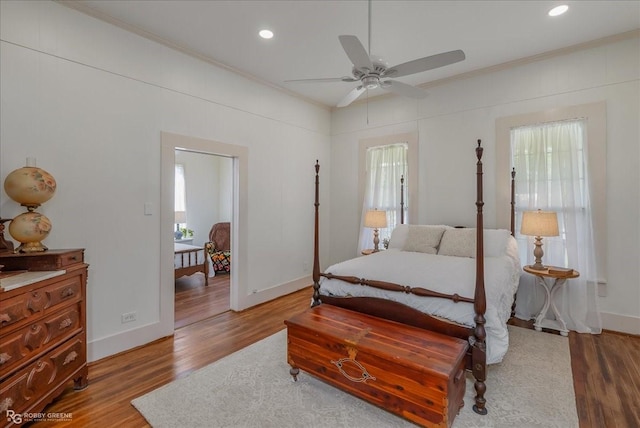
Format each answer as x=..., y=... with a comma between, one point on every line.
x=369, y=251
x=559, y=276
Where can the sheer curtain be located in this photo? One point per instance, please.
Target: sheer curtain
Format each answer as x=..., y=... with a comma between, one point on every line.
x=385, y=166
x=180, y=198
x=551, y=174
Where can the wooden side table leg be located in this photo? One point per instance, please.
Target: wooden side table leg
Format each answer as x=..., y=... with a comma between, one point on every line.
x=545, y=308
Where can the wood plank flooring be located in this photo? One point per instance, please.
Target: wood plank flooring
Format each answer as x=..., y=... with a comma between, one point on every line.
x=194, y=301
x=606, y=368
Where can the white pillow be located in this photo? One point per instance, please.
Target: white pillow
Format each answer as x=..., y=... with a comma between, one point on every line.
x=495, y=242
x=423, y=239
x=458, y=242
x=462, y=242
x=399, y=236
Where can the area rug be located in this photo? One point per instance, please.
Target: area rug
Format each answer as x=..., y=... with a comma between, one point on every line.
x=532, y=387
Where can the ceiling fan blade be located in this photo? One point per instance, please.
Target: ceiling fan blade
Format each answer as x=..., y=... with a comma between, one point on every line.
x=356, y=52
x=325, y=79
x=351, y=96
x=403, y=89
x=424, y=64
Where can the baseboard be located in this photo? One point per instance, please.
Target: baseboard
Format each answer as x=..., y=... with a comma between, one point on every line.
x=620, y=323
x=267, y=294
x=124, y=341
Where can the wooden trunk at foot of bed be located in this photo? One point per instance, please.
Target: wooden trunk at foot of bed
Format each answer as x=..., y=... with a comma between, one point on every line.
x=414, y=373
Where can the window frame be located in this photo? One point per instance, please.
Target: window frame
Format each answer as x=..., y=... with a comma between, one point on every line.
x=411, y=189
x=595, y=115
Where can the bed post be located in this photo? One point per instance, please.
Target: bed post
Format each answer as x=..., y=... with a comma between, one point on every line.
x=477, y=341
x=316, y=257
x=402, y=199
x=513, y=202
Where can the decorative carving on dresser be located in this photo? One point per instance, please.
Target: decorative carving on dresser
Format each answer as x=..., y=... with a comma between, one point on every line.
x=42, y=328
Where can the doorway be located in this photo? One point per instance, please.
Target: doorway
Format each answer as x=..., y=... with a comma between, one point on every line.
x=238, y=155
x=203, y=197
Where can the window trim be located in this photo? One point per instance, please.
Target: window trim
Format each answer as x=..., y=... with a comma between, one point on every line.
x=596, y=134
x=411, y=138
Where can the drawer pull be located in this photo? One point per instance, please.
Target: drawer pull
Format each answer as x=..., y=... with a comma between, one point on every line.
x=65, y=323
x=5, y=317
x=4, y=357
x=67, y=292
x=458, y=376
x=6, y=404
x=69, y=358
x=74, y=258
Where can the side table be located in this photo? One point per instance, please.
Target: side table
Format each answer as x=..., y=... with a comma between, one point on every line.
x=559, y=277
x=369, y=251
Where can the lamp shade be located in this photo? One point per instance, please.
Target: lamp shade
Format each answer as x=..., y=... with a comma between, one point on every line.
x=375, y=219
x=181, y=217
x=539, y=223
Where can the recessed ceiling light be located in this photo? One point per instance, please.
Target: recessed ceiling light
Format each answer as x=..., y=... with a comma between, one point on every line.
x=266, y=34
x=558, y=10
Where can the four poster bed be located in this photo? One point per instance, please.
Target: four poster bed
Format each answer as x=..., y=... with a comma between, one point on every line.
x=433, y=278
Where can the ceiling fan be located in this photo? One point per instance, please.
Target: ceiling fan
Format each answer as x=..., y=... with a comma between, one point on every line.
x=370, y=71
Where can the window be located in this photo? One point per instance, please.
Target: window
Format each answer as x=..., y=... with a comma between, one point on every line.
x=180, y=198
x=384, y=167
x=551, y=166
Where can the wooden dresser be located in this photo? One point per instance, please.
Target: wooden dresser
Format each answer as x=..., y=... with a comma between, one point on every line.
x=42, y=329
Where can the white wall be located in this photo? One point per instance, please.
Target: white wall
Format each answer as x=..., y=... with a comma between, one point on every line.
x=459, y=112
x=90, y=101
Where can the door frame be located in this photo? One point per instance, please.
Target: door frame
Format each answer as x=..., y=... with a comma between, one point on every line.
x=240, y=154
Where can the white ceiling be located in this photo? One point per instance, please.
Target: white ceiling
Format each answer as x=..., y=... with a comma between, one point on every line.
x=306, y=33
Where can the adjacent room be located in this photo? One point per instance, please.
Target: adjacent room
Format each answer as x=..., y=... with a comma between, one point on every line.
x=267, y=209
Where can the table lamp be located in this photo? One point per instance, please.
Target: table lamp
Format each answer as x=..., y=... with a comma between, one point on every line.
x=180, y=217
x=375, y=219
x=539, y=223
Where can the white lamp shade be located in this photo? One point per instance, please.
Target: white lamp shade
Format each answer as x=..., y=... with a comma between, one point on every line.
x=375, y=219
x=539, y=223
x=181, y=217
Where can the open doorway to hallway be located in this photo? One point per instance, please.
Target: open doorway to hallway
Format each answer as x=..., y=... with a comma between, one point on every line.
x=203, y=199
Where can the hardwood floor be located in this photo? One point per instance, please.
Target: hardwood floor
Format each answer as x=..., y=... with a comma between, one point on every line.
x=195, y=301
x=606, y=368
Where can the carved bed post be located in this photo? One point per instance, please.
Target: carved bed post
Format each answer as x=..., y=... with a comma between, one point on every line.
x=402, y=199
x=477, y=341
x=316, y=256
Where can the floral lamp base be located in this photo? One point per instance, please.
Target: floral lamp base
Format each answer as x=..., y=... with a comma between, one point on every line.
x=30, y=229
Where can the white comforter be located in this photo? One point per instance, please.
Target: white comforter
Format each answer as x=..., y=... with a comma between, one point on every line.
x=445, y=274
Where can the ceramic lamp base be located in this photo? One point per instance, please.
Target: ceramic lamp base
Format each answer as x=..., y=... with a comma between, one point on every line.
x=31, y=247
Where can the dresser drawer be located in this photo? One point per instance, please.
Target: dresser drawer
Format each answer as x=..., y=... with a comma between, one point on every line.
x=27, y=388
x=48, y=260
x=31, y=305
x=18, y=347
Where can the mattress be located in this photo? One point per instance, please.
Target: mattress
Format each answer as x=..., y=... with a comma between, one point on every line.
x=445, y=274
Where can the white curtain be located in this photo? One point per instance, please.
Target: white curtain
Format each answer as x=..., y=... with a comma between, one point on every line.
x=180, y=198
x=552, y=175
x=385, y=166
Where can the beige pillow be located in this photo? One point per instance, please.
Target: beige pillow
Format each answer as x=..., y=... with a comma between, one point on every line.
x=423, y=239
x=458, y=242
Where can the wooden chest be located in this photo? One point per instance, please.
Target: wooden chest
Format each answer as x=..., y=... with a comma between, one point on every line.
x=414, y=373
